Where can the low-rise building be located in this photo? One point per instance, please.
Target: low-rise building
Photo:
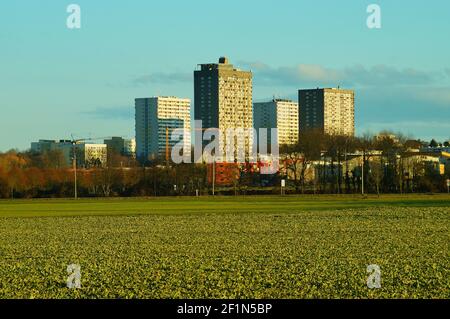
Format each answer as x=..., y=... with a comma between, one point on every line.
x=87, y=154
x=121, y=146
x=42, y=146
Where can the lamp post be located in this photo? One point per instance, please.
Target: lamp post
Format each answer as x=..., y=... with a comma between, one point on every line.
x=214, y=175
x=362, y=175
x=74, y=159
x=74, y=163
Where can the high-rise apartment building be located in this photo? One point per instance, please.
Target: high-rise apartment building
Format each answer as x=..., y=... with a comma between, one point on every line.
x=280, y=114
x=156, y=119
x=331, y=111
x=223, y=100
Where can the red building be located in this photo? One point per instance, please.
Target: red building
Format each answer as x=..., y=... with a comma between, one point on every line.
x=226, y=173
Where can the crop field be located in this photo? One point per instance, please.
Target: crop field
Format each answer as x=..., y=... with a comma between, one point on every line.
x=235, y=247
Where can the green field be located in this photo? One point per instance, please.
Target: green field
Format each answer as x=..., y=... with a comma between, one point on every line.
x=227, y=247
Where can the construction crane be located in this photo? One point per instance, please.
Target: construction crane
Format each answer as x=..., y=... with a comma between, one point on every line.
x=74, y=143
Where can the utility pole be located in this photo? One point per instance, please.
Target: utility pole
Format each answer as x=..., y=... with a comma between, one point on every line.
x=74, y=157
x=214, y=176
x=362, y=175
x=167, y=146
x=346, y=165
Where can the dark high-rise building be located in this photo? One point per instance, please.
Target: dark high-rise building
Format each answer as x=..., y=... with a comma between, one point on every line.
x=223, y=98
x=331, y=111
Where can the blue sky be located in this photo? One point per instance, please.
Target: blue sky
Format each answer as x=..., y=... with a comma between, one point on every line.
x=55, y=82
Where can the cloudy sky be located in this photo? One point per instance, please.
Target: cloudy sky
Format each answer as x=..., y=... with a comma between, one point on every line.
x=55, y=82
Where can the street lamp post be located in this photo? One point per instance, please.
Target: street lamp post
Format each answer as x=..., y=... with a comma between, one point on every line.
x=74, y=157
x=214, y=176
x=362, y=175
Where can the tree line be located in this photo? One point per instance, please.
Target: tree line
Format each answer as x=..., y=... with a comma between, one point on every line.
x=30, y=175
x=385, y=163
x=316, y=164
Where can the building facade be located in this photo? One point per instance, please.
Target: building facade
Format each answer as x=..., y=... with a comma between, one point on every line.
x=156, y=119
x=280, y=114
x=129, y=147
x=122, y=146
x=331, y=111
x=223, y=100
x=88, y=155
x=91, y=155
x=43, y=146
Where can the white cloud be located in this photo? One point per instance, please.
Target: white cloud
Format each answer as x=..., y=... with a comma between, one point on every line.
x=160, y=77
x=440, y=96
x=111, y=113
x=356, y=76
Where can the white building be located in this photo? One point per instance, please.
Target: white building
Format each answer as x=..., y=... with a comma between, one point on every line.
x=130, y=147
x=281, y=114
x=156, y=118
x=88, y=155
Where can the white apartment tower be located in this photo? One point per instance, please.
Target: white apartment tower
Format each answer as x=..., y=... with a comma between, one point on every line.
x=156, y=119
x=280, y=114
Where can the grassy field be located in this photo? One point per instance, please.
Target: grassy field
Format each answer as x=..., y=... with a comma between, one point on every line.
x=227, y=247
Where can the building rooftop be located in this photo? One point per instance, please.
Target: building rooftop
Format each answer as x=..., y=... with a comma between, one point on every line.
x=223, y=60
x=163, y=97
x=329, y=89
x=223, y=64
x=276, y=100
x=283, y=100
